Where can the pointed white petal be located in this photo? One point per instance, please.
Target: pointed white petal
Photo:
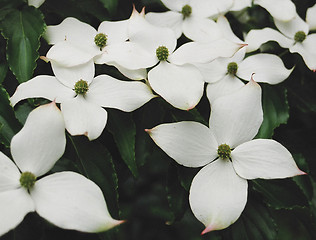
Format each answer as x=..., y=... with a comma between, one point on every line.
x=213, y=71
x=83, y=117
x=137, y=74
x=41, y=142
x=307, y=49
x=116, y=32
x=194, y=52
x=107, y=91
x=71, y=201
x=283, y=10
x=225, y=86
x=71, y=30
x=311, y=17
x=255, y=38
x=36, y=3
x=175, y=5
x=226, y=30
x=168, y=19
x=69, y=55
x=201, y=29
x=181, y=86
x=189, y=143
x=268, y=68
x=9, y=174
x=240, y=4
x=42, y=87
x=218, y=195
x=209, y=8
x=264, y=158
x=15, y=204
x=70, y=75
x=291, y=27
x=236, y=118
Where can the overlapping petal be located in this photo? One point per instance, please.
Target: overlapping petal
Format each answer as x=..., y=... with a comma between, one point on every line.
x=210, y=8
x=181, y=86
x=263, y=158
x=283, y=10
x=41, y=142
x=218, y=195
x=291, y=27
x=311, y=17
x=71, y=201
x=175, y=5
x=9, y=174
x=83, y=117
x=115, y=31
x=189, y=143
x=107, y=91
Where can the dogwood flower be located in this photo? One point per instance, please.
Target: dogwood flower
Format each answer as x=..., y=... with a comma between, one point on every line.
x=295, y=36
x=82, y=96
x=174, y=78
x=66, y=199
x=228, y=155
x=191, y=17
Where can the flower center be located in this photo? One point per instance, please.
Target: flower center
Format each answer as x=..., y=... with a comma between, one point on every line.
x=186, y=11
x=232, y=68
x=81, y=87
x=100, y=40
x=224, y=151
x=27, y=180
x=162, y=53
x=299, y=36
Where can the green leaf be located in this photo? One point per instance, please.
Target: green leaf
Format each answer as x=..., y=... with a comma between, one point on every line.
x=123, y=129
x=280, y=193
x=9, y=124
x=110, y=5
x=23, y=30
x=97, y=165
x=275, y=110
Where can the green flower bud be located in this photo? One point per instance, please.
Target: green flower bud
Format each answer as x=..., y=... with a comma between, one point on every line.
x=186, y=11
x=299, y=36
x=162, y=53
x=27, y=180
x=81, y=87
x=232, y=68
x=224, y=151
x=100, y=40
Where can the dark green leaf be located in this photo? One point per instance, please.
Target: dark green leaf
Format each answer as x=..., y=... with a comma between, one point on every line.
x=22, y=111
x=275, y=110
x=123, y=129
x=23, y=29
x=110, y=5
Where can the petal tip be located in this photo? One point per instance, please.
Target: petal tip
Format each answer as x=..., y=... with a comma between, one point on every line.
x=207, y=229
x=45, y=59
x=147, y=130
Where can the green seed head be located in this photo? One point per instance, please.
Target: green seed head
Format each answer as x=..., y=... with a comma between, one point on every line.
x=162, y=53
x=81, y=87
x=27, y=180
x=186, y=11
x=232, y=68
x=224, y=151
x=299, y=36
x=100, y=40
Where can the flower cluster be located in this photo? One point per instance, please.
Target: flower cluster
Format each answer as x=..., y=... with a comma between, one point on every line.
x=144, y=49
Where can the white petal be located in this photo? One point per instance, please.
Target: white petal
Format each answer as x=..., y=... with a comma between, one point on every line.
x=201, y=29
x=116, y=32
x=41, y=142
x=194, y=52
x=83, y=117
x=311, y=17
x=137, y=74
x=168, y=19
x=181, y=86
x=255, y=38
x=240, y=4
x=107, y=91
x=264, y=158
x=209, y=8
x=307, y=49
x=291, y=27
x=218, y=195
x=213, y=71
x=175, y=5
x=283, y=10
x=36, y=3
x=268, y=68
x=71, y=30
x=70, y=75
x=42, y=87
x=226, y=30
x=71, y=201
x=69, y=55
x=189, y=143
x=225, y=86
x=9, y=174
x=15, y=204
x=236, y=118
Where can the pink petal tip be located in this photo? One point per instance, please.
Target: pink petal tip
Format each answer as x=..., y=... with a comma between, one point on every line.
x=207, y=229
x=147, y=130
x=44, y=59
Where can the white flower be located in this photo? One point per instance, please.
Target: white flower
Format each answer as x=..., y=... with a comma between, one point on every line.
x=174, y=78
x=295, y=36
x=82, y=96
x=229, y=156
x=66, y=199
x=191, y=17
